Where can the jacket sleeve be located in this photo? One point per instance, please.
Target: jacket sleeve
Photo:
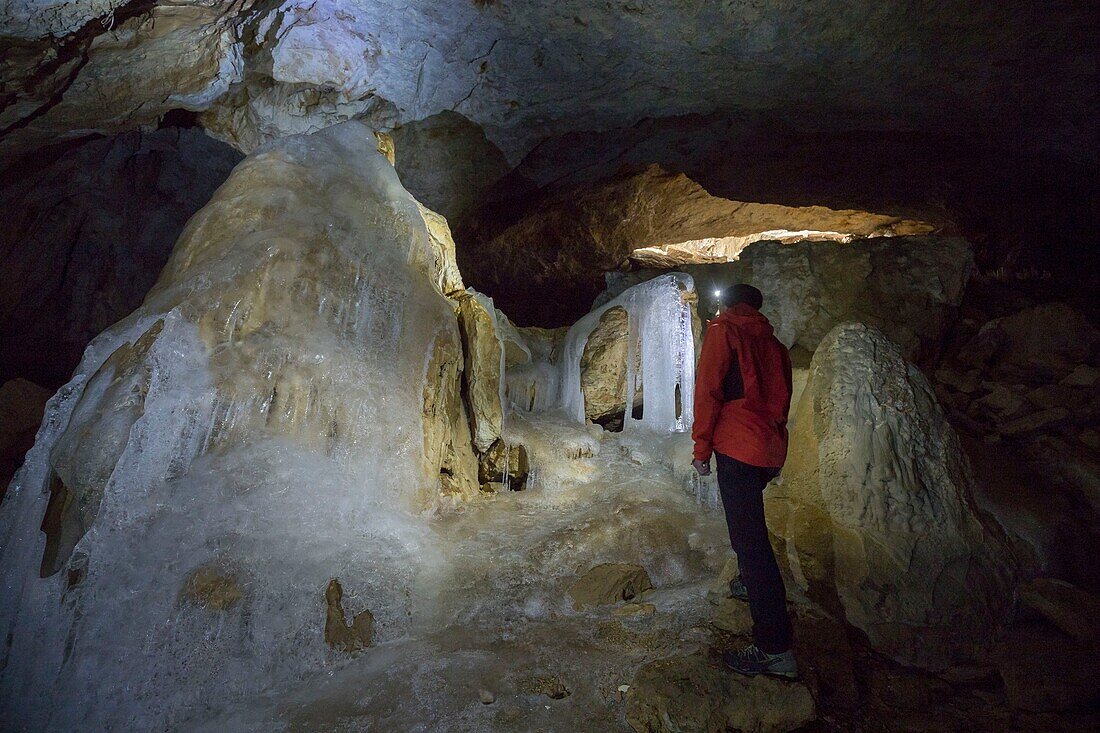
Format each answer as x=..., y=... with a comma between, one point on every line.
x=714, y=362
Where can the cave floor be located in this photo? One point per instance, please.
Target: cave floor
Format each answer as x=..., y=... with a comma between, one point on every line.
x=499, y=646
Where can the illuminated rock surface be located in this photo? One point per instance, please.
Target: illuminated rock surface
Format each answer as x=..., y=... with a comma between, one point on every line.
x=285, y=402
x=875, y=508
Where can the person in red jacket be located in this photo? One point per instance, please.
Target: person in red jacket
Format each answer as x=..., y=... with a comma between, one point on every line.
x=742, y=398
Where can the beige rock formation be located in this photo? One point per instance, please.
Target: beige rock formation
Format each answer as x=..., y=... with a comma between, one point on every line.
x=693, y=694
x=603, y=363
x=603, y=367
x=875, y=513
x=610, y=583
x=482, y=373
x=504, y=461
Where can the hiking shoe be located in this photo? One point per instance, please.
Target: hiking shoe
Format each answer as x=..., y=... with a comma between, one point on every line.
x=738, y=590
x=752, y=661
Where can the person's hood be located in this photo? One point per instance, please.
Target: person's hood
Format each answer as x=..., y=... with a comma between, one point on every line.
x=746, y=320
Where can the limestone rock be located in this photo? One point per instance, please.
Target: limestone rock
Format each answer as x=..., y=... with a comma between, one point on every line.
x=504, y=461
x=610, y=583
x=339, y=634
x=449, y=280
x=447, y=440
x=692, y=694
x=909, y=287
x=126, y=67
x=447, y=163
x=875, y=510
x=566, y=241
x=482, y=373
x=603, y=367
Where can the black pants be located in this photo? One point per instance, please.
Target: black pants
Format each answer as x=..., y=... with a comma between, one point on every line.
x=742, y=488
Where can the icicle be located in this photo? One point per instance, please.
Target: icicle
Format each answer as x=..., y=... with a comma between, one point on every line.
x=659, y=329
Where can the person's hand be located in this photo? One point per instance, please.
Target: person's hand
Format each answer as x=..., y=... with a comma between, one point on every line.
x=701, y=467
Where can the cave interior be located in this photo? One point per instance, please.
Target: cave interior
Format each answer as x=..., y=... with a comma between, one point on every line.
x=347, y=359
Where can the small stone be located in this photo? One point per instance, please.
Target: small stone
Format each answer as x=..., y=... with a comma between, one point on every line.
x=486, y=697
x=1082, y=376
x=634, y=610
x=1035, y=421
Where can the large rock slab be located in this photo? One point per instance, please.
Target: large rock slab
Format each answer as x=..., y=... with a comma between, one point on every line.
x=875, y=511
x=683, y=694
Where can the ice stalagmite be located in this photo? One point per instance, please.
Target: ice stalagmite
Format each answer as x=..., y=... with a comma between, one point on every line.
x=274, y=416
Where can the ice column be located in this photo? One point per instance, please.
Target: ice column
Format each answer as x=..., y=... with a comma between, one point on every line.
x=659, y=330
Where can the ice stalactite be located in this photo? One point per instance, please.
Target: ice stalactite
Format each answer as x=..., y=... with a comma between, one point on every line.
x=659, y=331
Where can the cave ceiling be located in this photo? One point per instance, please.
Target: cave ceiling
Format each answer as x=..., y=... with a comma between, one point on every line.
x=1023, y=73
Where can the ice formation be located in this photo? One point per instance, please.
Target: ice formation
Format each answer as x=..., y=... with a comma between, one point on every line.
x=262, y=420
x=659, y=339
x=278, y=414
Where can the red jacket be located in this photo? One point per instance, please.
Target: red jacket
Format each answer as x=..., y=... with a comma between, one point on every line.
x=751, y=428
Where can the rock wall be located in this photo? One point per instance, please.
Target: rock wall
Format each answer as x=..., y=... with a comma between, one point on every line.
x=86, y=234
x=875, y=512
x=446, y=162
x=564, y=241
x=274, y=416
x=910, y=287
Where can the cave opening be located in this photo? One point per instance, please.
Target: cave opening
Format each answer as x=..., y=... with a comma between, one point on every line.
x=358, y=364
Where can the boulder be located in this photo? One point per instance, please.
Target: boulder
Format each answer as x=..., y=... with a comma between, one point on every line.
x=691, y=693
x=875, y=514
x=610, y=583
x=603, y=367
x=1041, y=344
